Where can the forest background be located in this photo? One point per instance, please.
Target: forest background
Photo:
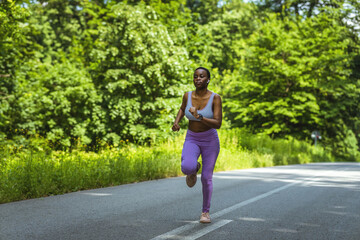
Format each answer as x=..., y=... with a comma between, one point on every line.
x=88, y=75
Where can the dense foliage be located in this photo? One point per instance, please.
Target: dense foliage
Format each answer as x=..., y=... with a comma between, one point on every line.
x=95, y=72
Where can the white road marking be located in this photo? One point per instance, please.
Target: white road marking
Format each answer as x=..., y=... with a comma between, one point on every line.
x=208, y=229
x=177, y=231
x=251, y=200
x=96, y=194
x=173, y=234
x=250, y=219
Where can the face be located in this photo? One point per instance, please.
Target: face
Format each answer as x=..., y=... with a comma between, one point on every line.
x=200, y=78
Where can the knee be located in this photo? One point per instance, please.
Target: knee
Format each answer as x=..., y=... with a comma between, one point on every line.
x=206, y=179
x=188, y=168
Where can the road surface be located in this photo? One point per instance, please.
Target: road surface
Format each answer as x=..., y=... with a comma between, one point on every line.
x=312, y=201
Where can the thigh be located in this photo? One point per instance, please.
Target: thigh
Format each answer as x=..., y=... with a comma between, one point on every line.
x=209, y=155
x=190, y=154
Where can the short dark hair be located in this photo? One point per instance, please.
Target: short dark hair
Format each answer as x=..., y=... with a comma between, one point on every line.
x=207, y=71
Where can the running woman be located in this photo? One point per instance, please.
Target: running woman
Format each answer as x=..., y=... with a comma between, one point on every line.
x=203, y=108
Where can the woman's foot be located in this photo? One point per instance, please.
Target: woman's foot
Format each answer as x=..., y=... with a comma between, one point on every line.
x=205, y=217
x=192, y=178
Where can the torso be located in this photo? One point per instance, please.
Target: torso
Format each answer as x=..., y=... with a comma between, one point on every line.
x=199, y=103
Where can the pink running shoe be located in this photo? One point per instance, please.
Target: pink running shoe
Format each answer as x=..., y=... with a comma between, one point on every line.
x=192, y=178
x=205, y=217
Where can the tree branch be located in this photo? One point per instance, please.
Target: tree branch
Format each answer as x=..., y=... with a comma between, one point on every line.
x=5, y=75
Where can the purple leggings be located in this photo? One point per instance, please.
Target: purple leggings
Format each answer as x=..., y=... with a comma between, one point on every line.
x=207, y=144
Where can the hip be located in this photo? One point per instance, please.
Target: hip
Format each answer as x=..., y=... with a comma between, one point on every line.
x=210, y=135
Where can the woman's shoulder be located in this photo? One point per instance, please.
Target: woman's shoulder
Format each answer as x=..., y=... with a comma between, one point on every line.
x=185, y=96
x=216, y=97
x=215, y=94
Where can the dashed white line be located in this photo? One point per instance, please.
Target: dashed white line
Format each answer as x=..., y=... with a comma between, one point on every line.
x=177, y=231
x=208, y=229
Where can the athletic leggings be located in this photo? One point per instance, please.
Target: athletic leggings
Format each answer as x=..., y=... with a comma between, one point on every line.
x=207, y=144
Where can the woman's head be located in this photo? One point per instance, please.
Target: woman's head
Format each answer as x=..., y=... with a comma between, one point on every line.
x=206, y=70
x=201, y=77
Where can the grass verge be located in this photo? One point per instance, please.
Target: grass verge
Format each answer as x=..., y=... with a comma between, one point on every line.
x=33, y=173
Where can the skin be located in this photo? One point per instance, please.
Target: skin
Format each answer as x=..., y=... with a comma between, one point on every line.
x=199, y=100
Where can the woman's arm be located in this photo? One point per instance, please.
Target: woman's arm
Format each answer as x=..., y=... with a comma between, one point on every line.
x=181, y=114
x=217, y=120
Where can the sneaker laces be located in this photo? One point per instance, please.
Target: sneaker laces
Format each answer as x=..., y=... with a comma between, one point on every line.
x=205, y=214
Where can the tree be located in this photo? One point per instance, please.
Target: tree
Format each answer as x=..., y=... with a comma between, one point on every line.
x=304, y=8
x=297, y=78
x=204, y=11
x=105, y=73
x=138, y=70
x=58, y=101
x=226, y=37
x=11, y=39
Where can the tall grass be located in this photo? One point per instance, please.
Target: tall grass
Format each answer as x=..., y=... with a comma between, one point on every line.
x=35, y=172
x=261, y=150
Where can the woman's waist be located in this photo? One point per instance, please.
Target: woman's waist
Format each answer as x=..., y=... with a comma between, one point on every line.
x=202, y=133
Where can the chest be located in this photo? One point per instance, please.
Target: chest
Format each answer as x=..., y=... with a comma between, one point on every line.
x=200, y=103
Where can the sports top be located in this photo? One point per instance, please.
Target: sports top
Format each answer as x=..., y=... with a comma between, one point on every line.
x=207, y=111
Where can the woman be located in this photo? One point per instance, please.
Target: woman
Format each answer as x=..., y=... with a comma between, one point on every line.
x=203, y=108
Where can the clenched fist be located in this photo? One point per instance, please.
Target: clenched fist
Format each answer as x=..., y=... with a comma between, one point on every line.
x=176, y=127
x=193, y=111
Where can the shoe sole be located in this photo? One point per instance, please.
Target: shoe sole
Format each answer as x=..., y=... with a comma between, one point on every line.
x=205, y=221
x=190, y=182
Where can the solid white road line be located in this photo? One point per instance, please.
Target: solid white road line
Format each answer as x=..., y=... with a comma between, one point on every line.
x=251, y=200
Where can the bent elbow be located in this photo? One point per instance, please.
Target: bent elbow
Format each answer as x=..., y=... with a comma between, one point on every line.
x=219, y=124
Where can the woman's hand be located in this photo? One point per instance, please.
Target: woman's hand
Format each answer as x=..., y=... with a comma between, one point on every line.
x=194, y=112
x=176, y=127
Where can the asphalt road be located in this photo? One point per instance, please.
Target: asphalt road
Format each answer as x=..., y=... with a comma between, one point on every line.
x=313, y=201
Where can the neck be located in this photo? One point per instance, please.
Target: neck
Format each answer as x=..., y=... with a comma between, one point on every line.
x=201, y=92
